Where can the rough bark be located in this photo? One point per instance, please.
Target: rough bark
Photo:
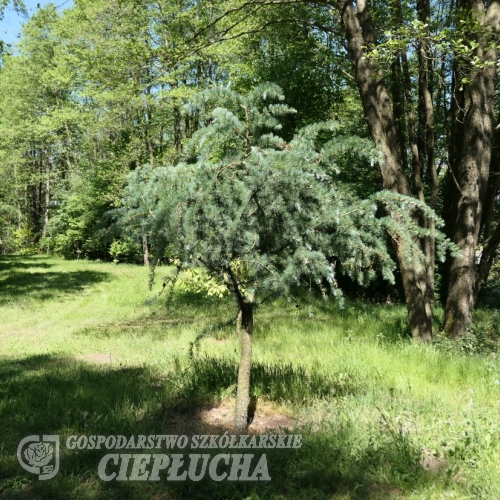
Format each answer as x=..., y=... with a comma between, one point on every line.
x=360, y=33
x=426, y=143
x=473, y=122
x=243, y=392
x=491, y=238
x=398, y=104
x=493, y=185
x=490, y=246
x=415, y=288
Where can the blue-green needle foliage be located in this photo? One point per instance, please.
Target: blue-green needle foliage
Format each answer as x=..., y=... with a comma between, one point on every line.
x=263, y=213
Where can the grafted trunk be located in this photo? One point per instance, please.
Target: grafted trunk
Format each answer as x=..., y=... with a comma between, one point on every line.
x=238, y=324
x=473, y=115
x=145, y=248
x=243, y=393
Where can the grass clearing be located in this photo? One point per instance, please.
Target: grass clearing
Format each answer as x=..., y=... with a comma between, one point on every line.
x=84, y=350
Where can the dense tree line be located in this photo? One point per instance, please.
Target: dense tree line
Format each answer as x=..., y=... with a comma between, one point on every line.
x=99, y=91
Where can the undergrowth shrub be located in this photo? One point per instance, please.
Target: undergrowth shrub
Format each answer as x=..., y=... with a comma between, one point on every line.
x=125, y=251
x=482, y=337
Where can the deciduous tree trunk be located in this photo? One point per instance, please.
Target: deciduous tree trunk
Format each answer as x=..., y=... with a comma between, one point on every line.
x=46, y=213
x=177, y=128
x=470, y=163
x=360, y=34
x=491, y=237
x=415, y=284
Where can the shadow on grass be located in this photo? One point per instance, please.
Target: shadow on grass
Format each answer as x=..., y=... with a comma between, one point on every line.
x=54, y=395
x=13, y=262
x=23, y=284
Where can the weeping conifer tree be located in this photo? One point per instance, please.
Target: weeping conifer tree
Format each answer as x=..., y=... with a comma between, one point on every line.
x=261, y=214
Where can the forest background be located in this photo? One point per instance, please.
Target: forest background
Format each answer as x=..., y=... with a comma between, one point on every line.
x=97, y=91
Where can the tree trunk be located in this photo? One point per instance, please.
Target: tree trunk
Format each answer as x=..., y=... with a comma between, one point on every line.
x=148, y=128
x=46, y=215
x=177, y=128
x=473, y=120
x=360, y=34
x=491, y=238
x=145, y=248
x=238, y=325
x=419, y=308
x=426, y=142
x=243, y=392
x=490, y=246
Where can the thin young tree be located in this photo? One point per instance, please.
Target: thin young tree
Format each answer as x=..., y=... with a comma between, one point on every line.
x=261, y=214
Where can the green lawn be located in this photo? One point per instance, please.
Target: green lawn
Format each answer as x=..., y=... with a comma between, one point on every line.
x=87, y=349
